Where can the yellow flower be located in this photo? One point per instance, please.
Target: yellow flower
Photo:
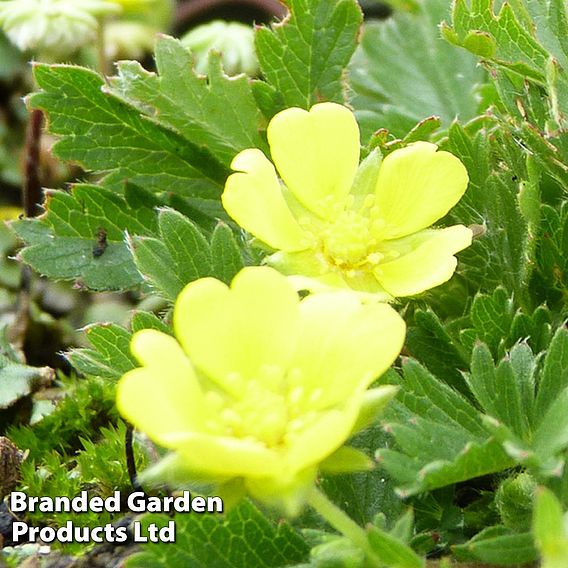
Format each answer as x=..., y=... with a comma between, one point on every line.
x=259, y=387
x=338, y=224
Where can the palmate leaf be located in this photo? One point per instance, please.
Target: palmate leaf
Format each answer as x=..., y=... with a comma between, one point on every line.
x=81, y=235
x=439, y=435
x=241, y=539
x=404, y=71
x=216, y=112
x=304, y=57
x=180, y=253
x=104, y=134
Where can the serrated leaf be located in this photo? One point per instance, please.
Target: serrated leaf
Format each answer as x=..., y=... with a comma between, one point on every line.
x=81, y=235
x=147, y=320
x=551, y=435
x=226, y=256
x=216, y=112
x=304, y=57
x=110, y=356
x=430, y=342
x=241, y=539
x=439, y=434
x=104, y=134
x=395, y=89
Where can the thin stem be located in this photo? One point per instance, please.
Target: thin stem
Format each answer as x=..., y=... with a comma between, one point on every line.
x=341, y=522
x=102, y=62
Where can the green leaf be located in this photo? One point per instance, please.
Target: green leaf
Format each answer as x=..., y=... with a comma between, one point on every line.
x=147, y=320
x=18, y=380
x=498, y=390
x=439, y=436
x=81, y=235
x=241, y=539
x=104, y=134
x=551, y=437
x=215, y=112
x=110, y=356
x=182, y=254
x=503, y=549
x=304, y=57
x=429, y=341
x=502, y=254
x=392, y=551
x=548, y=530
x=554, y=378
x=226, y=256
x=395, y=89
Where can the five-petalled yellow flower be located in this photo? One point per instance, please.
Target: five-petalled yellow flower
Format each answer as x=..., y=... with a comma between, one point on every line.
x=259, y=386
x=340, y=225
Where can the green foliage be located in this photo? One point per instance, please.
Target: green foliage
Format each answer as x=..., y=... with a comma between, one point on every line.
x=395, y=89
x=549, y=529
x=216, y=112
x=182, y=254
x=104, y=134
x=85, y=406
x=241, y=538
x=303, y=58
x=81, y=236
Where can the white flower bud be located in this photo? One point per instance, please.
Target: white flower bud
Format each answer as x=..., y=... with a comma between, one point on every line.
x=233, y=40
x=59, y=27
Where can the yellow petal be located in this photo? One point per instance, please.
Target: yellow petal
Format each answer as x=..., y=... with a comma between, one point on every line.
x=416, y=187
x=218, y=455
x=160, y=401
x=239, y=334
x=253, y=198
x=427, y=260
x=326, y=435
x=344, y=345
x=316, y=154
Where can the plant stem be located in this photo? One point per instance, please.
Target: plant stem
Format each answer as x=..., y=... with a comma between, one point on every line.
x=102, y=62
x=342, y=522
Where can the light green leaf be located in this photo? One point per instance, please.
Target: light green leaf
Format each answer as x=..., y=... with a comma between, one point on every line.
x=548, y=530
x=18, y=380
x=395, y=88
x=216, y=112
x=392, y=551
x=500, y=547
x=554, y=378
x=110, y=356
x=304, y=57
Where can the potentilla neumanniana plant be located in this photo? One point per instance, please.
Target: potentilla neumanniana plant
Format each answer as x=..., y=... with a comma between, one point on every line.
x=57, y=27
x=339, y=224
x=258, y=387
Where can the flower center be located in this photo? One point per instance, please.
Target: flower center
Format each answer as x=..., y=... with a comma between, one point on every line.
x=261, y=412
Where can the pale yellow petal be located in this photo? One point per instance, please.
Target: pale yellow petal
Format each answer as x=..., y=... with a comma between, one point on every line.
x=253, y=198
x=326, y=435
x=157, y=403
x=344, y=345
x=244, y=333
x=316, y=154
x=226, y=456
x=426, y=261
x=417, y=186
